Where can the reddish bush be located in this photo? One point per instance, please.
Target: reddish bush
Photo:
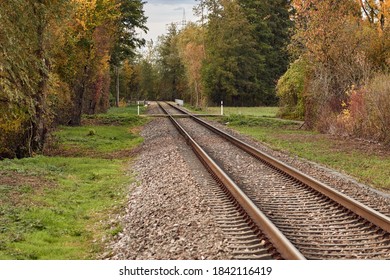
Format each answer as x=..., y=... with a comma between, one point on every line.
x=365, y=113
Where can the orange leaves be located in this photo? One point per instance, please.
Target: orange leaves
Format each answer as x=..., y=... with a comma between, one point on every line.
x=365, y=112
x=347, y=46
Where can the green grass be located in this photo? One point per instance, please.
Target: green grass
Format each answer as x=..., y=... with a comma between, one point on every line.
x=269, y=112
x=99, y=139
x=59, y=218
x=251, y=121
x=58, y=207
x=111, y=135
x=120, y=116
x=340, y=154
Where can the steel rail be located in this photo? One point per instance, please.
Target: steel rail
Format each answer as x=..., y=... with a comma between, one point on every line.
x=351, y=204
x=286, y=249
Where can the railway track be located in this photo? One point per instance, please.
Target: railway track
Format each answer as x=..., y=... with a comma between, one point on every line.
x=319, y=221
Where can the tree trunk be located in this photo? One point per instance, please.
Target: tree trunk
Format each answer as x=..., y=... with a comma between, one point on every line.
x=117, y=85
x=79, y=98
x=39, y=124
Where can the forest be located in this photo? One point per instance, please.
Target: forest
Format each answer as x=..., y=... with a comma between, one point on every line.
x=325, y=62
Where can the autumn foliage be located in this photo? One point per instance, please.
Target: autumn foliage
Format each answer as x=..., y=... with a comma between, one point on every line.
x=326, y=61
x=55, y=61
x=235, y=53
x=346, y=47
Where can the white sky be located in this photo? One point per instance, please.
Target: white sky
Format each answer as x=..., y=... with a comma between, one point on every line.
x=161, y=13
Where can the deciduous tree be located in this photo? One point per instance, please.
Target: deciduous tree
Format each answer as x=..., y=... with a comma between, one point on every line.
x=192, y=54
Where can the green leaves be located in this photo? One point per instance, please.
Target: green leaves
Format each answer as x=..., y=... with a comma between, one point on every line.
x=131, y=17
x=290, y=90
x=230, y=69
x=245, y=46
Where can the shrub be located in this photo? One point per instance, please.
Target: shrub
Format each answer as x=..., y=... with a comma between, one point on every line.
x=290, y=90
x=351, y=120
x=251, y=121
x=377, y=105
x=365, y=113
x=91, y=132
x=13, y=133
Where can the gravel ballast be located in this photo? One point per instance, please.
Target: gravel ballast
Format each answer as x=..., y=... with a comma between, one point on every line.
x=344, y=183
x=167, y=216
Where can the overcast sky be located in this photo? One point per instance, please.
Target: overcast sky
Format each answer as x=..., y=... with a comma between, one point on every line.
x=160, y=13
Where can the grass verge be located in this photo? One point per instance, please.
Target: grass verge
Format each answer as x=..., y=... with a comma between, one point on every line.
x=58, y=207
x=97, y=141
x=269, y=112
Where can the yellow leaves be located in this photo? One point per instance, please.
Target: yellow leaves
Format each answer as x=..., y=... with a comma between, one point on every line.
x=192, y=53
x=7, y=126
x=92, y=13
x=346, y=114
x=11, y=119
x=345, y=121
x=82, y=24
x=83, y=12
x=376, y=12
x=128, y=70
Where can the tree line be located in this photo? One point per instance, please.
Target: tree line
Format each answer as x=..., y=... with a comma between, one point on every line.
x=235, y=53
x=55, y=61
x=323, y=61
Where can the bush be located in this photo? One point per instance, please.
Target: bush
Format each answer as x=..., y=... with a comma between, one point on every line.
x=352, y=119
x=13, y=133
x=377, y=102
x=365, y=113
x=290, y=90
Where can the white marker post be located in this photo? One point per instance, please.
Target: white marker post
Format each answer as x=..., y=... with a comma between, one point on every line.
x=138, y=107
x=221, y=108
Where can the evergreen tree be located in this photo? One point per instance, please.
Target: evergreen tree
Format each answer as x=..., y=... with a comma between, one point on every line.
x=131, y=17
x=230, y=70
x=272, y=26
x=170, y=67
